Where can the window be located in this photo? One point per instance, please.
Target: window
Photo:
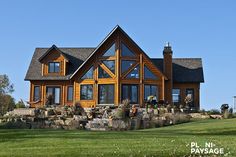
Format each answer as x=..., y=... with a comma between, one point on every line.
x=126, y=64
x=55, y=92
x=176, y=96
x=86, y=92
x=36, y=93
x=150, y=90
x=88, y=74
x=106, y=93
x=102, y=73
x=125, y=51
x=70, y=93
x=148, y=74
x=130, y=92
x=190, y=96
x=54, y=67
x=111, y=51
x=134, y=73
x=110, y=65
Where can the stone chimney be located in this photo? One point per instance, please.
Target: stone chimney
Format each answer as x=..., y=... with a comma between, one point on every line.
x=167, y=69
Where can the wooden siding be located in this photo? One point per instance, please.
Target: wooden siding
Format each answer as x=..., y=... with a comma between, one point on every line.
x=183, y=87
x=54, y=56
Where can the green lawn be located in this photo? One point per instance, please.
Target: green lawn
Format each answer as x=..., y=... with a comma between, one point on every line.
x=166, y=141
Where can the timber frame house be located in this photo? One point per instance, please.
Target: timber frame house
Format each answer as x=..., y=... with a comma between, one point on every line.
x=115, y=70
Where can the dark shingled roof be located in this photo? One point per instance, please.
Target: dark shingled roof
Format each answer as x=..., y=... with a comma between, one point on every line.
x=184, y=69
x=76, y=57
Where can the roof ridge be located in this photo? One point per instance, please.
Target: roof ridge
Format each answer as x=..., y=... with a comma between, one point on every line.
x=67, y=47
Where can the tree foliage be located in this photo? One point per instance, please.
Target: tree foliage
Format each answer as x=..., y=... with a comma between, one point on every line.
x=6, y=86
x=7, y=103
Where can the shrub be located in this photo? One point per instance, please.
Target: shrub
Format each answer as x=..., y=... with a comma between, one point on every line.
x=20, y=104
x=213, y=111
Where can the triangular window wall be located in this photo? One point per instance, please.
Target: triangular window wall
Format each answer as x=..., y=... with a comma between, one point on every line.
x=102, y=73
x=125, y=51
x=148, y=74
x=111, y=51
x=134, y=73
x=110, y=64
x=88, y=74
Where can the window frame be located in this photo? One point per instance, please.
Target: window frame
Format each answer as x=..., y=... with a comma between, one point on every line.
x=145, y=72
x=53, y=93
x=68, y=96
x=39, y=93
x=86, y=85
x=193, y=95
x=150, y=90
x=54, y=67
x=179, y=96
x=130, y=92
x=107, y=99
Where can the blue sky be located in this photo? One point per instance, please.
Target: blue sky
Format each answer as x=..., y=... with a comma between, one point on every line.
x=205, y=29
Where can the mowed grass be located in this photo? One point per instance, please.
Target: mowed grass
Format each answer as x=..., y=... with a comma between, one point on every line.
x=166, y=141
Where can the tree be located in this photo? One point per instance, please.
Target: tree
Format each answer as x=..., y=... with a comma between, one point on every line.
x=7, y=103
x=6, y=86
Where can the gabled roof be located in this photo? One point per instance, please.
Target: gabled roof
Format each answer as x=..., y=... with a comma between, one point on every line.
x=50, y=49
x=76, y=56
x=117, y=27
x=184, y=69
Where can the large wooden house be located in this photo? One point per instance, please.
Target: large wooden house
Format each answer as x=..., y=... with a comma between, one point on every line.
x=115, y=70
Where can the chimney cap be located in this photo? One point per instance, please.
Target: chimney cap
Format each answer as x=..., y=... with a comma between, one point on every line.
x=167, y=48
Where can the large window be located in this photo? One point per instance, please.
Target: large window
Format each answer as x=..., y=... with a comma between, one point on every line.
x=55, y=93
x=125, y=51
x=36, y=93
x=70, y=93
x=86, y=92
x=126, y=64
x=110, y=64
x=150, y=90
x=130, y=92
x=54, y=67
x=134, y=73
x=190, y=96
x=176, y=96
x=111, y=51
x=106, y=93
x=88, y=74
x=148, y=74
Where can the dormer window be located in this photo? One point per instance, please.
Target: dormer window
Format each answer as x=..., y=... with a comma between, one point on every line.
x=53, y=67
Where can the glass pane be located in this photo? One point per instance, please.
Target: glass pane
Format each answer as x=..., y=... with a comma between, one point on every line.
x=110, y=65
x=134, y=73
x=57, y=96
x=102, y=73
x=49, y=91
x=146, y=92
x=148, y=74
x=70, y=94
x=51, y=68
x=125, y=51
x=111, y=51
x=36, y=93
x=88, y=74
x=57, y=67
x=106, y=94
x=176, y=95
x=90, y=92
x=86, y=92
x=154, y=90
x=125, y=92
x=126, y=64
x=134, y=94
